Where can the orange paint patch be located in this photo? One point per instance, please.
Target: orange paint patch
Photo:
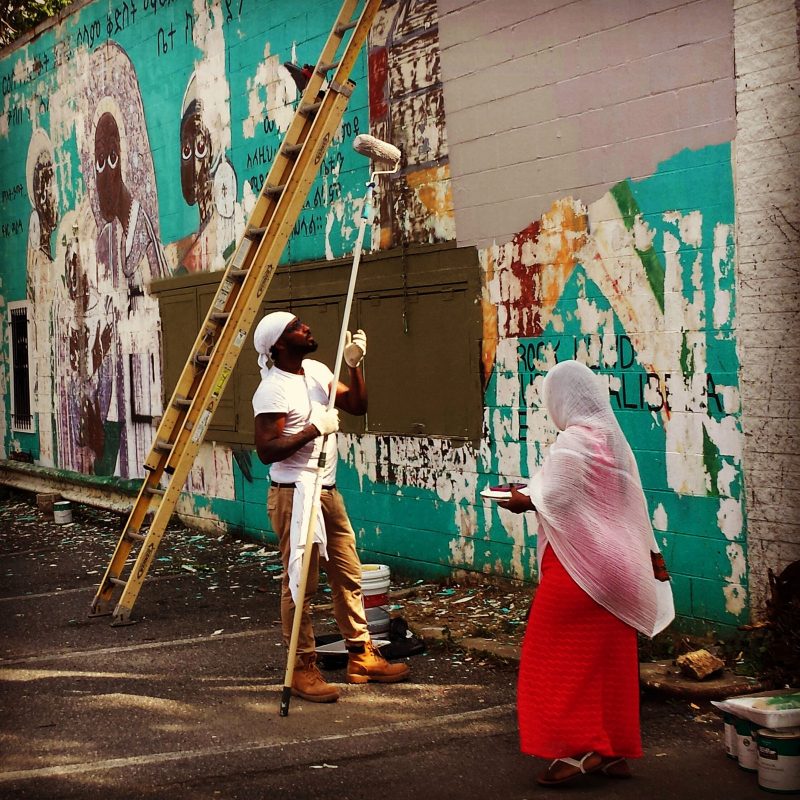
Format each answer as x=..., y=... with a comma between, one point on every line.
x=433, y=189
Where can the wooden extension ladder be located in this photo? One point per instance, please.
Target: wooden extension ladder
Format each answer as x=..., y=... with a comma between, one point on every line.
x=242, y=287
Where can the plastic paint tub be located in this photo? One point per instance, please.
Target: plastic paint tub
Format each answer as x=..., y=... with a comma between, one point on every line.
x=62, y=512
x=779, y=759
x=746, y=747
x=375, y=584
x=378, y=622
x=730, y=735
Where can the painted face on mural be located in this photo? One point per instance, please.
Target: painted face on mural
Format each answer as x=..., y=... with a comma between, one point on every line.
x=107, y=167
x=44, y=195
x=196, y=155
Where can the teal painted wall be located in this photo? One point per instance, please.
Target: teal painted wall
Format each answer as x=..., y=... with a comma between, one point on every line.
x=639, y=285
x=191, y=101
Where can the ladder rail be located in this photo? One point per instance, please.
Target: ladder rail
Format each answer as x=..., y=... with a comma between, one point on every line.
x=244, y=282
x=266, y=205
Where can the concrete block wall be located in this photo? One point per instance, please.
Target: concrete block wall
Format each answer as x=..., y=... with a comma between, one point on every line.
x=559, y=98
x=767, y=171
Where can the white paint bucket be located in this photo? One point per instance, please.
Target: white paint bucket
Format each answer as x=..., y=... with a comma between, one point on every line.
x=746, y=746
x=779, y=759
x=375, y=584
x=62, y=512
x=730, y=735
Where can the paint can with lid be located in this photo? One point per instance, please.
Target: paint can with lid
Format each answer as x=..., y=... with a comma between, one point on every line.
x=746, y=747
x=62, y=512
x=730, y=735
x=779, y=759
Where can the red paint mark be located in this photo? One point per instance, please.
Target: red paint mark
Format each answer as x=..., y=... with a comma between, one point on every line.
x=524, y=308
x=378, y=75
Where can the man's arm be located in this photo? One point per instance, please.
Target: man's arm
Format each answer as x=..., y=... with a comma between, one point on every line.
x=272, y=445
x=353, y=398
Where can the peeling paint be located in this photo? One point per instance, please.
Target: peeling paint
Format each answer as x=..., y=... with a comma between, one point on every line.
x=730, y=518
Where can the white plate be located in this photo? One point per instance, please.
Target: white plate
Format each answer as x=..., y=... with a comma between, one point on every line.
x=500, y=492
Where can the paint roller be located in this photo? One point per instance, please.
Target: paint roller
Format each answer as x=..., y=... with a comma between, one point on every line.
x=380, y=153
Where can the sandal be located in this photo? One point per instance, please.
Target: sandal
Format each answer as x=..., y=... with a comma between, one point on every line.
x=615, y=767
x=590, y=762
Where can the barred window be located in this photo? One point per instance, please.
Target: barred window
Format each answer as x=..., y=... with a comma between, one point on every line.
x=21, y=418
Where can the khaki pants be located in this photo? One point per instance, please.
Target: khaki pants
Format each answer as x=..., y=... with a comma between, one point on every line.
x=342, y=567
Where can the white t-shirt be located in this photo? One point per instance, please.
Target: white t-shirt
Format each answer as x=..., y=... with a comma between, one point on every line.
x=283, y=392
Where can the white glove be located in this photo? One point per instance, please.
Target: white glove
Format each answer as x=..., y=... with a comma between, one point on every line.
x=355, y=348
x=323, y=420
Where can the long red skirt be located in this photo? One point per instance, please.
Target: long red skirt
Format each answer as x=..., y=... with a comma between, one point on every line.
x=578, y=684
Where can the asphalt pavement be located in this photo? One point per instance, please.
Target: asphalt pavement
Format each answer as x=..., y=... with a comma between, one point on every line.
x=184, y=703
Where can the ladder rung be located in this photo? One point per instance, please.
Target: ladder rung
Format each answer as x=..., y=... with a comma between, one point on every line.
x=249, y=269
x=345, y=26
x=309, y=109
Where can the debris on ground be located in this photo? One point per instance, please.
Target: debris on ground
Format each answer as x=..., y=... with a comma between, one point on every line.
x=700, y=664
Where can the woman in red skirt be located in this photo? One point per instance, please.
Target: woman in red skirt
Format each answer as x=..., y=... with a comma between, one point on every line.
x=601, y=579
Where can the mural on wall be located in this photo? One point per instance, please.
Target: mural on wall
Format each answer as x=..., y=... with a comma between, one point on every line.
x=131, y=178
x=42, y=224
x=639, y=286
x=208, y=179
x=406, y=107
x=109, y=322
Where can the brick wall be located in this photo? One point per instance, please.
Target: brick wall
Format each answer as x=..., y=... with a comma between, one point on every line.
x=767, y=169
x=566, y=98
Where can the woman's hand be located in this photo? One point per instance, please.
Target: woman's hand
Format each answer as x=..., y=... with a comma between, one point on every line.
x=518, y=503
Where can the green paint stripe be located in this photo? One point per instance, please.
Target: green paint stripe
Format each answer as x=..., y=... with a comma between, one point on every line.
x=653, y=267
x=711, y=461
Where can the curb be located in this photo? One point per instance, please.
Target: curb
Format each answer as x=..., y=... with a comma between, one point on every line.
x=661, y=677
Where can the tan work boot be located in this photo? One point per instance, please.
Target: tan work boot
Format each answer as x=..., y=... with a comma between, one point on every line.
x=370, y=665
x=308, y=683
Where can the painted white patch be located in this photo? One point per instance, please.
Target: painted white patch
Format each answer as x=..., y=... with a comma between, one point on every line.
x=660, y=519
x=726, y=476
x=212, y=472
x=249, y=198
x=685, y=471
x=690, y=226
x=271, y=93
x=594, y=320
x=735, y=599
x=726, y=435
x=730, y=518
x=643, y=234
x=721, y=262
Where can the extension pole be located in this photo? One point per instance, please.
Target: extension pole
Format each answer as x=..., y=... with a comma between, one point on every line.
x=315, y=504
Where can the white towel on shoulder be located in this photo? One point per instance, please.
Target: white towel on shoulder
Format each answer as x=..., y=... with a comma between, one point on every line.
x=302, y=503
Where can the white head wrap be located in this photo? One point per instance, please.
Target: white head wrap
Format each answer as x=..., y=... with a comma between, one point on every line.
x=591, y=506
x=267, y=332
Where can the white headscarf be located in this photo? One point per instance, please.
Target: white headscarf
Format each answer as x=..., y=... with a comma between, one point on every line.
x=267, y=332
x=591, y=506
